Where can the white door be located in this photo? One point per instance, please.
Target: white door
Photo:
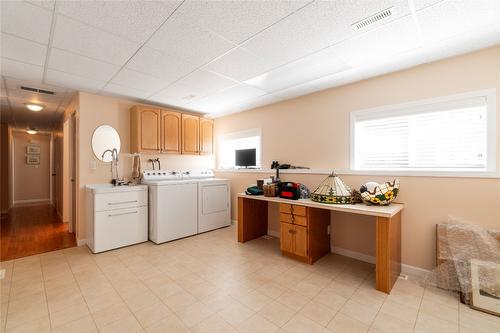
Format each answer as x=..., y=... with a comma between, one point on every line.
x=177, y=211
x=214, y=210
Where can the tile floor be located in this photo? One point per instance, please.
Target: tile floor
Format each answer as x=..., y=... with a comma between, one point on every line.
x=210, y=283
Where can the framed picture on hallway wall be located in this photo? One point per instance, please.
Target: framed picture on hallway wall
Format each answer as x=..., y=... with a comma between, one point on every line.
x=32, y=159
x=33, y=149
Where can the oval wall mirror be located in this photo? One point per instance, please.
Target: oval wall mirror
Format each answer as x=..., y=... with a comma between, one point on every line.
x=105, y=137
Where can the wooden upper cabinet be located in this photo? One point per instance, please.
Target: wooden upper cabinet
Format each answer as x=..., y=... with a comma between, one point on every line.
x=190, y=134
x=171, y=132
x=145, y=129
x=206, y=136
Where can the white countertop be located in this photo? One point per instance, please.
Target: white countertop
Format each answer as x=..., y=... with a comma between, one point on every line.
x=382, y=211
x=110, y=188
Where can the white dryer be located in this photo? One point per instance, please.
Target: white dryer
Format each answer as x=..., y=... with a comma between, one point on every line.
x=214, y=204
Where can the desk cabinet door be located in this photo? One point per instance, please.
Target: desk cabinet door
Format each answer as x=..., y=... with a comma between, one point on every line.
x=286, y=241
x=300, y=234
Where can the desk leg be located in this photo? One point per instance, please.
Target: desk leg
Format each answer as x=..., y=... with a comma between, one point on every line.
x=388, y=252
x=252, y=219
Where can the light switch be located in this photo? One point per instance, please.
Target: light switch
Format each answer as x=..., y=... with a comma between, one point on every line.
x=93, y=164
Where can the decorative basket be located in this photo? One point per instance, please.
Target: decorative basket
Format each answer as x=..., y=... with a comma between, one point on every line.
x=333, y=191
x=382, y=194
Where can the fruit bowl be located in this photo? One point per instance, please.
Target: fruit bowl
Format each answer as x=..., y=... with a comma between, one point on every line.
x=379, y=194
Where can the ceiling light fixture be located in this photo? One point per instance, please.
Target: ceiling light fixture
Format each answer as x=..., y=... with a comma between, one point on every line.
x=34, y=107
x=31, y=131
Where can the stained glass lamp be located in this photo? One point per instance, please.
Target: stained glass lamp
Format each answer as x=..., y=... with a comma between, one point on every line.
x=333, y=190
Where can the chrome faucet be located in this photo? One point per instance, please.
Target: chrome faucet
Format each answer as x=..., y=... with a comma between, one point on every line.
x=114, y=163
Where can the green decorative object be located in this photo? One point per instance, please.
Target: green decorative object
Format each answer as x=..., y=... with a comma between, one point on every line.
x=333, y=191
x=382, y=195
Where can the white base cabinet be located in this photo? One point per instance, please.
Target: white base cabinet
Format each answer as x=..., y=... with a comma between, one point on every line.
x=117, y=216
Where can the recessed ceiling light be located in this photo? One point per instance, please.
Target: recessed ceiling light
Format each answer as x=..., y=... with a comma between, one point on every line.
x=31, y=131
x=34, y=107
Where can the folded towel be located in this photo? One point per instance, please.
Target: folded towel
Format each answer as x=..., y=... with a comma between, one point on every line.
x=136, y=169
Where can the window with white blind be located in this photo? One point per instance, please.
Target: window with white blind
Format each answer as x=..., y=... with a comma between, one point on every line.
x=229, y=143
x=455, y=133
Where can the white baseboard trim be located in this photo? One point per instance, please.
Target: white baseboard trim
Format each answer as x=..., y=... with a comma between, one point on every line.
x=273, y=233
x=31, y=201
x=80, y=242
x=352, y=254
x=415, y=273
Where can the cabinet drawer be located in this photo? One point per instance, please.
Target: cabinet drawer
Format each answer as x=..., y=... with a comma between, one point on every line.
x=299, y=210
x=121, y=227
x=293, y=209
x=295, y=219
x=287, y=218
x=285, y=208
x=109, y=201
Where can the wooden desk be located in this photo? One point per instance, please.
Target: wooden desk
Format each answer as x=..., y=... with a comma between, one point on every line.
x=252, y=223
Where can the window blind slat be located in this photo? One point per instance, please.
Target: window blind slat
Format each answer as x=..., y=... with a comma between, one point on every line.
x=446, y=138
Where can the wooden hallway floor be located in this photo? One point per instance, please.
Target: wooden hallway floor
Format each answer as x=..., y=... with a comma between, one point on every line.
x=31, y=230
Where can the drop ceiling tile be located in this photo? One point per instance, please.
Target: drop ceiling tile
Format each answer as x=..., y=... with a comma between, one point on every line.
x=421, y=4
x=74, y=82
x=227, y=99
x=139, y=81
x=47, y=4
x=183, y=37
x=239, y=64
x=23, y=50
x=83, y=39
x=160, y=65
x=378, y=44
x=300, y=71
x=21, y=70
x=133, y=20
x=452, y=18
x=78, y=65
x=26, y=20
x=239, y=20
x=295, y=91
x=202, y=82
x=176, y=94
x=116, y=89
x=317, y=26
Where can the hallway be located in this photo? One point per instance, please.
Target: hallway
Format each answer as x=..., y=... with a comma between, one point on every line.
x=32, y=230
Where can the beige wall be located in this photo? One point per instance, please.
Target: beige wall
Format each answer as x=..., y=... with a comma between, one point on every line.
x=31, y=182
x=4, y=167
x=97, y=110
x=321, y=123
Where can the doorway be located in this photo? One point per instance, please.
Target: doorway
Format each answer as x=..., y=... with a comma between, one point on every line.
x=32, y=225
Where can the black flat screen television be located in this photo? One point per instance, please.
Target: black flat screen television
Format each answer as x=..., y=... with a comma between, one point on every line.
x=246, y=157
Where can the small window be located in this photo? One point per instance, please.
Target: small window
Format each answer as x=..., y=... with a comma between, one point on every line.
x=455, y=133
x=229, y=143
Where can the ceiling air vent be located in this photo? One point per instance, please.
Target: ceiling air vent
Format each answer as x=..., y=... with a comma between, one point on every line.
x=373, y=19
x=39, y=91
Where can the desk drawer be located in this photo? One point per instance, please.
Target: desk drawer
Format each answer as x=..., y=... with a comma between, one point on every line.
x=293, y=209
x=110, y=201
x=295, y=219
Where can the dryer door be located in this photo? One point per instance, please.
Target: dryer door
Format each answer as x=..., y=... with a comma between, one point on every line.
x=214, y=208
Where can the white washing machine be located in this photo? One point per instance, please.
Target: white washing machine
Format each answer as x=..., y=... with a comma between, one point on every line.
x=173, y=206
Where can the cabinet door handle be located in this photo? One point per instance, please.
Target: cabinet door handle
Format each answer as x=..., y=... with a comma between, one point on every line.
x=128, y=213
x=121, y=202
x=290, y=231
